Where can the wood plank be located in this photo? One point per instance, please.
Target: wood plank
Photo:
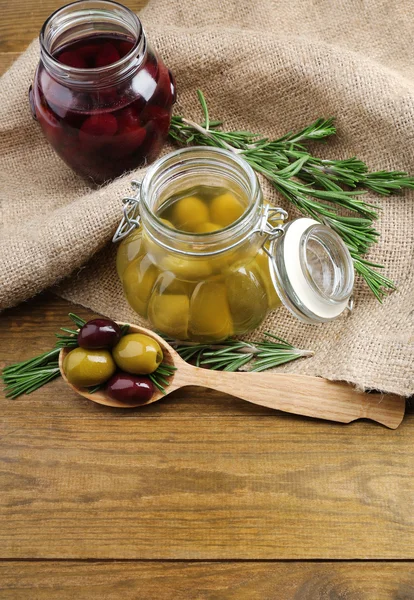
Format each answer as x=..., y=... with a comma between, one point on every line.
x=257, y=488
x=6, y=60
x=21, y=21
x=206, y=581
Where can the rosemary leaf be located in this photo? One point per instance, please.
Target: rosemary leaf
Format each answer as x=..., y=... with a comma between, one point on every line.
x=124, y=329
x=79, y=322
x=319, y=188
x=233, y=355
x=70, y=331
x=95, y=388
x=159, y=376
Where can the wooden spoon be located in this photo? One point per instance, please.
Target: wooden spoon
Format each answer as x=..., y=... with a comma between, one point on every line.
x=297, y=394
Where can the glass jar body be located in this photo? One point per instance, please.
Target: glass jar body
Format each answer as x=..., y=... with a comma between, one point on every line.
x=205, y=287
x=198, y=286
x=102, y=119
x=198, y=298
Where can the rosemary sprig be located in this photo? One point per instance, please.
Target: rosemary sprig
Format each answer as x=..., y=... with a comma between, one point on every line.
x=319, y=188
x=387, y=182
x=160, y=375
x=233, y=355
x=29, y=375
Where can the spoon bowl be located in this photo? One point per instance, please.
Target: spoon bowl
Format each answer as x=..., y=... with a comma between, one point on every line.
x=292, y=393
x=171, y=357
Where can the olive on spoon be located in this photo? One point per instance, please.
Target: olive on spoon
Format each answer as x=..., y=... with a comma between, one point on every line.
x=288, y=392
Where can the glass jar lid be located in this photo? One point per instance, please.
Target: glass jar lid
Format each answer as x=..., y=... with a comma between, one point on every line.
x=312, y=271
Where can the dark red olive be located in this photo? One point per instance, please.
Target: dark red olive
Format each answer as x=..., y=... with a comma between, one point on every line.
x=128, y=119
x=99, y=333
x=129, y=389
x=99, y=125
x=88, y=52
x=107, y=55
x=73, y=59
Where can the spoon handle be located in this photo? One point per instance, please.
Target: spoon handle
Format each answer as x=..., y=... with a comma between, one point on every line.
x=304, y=395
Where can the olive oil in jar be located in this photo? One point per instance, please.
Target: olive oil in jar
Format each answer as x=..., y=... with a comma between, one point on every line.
x=211, y=257
x=203, y=209
x=202, y=298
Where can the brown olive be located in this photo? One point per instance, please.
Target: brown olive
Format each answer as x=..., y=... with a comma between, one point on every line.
x=85, y=368
x=99, y=333
x=129, y=389
x=137, y=353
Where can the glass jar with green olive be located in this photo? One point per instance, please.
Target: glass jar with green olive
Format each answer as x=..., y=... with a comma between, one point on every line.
x=210, y=257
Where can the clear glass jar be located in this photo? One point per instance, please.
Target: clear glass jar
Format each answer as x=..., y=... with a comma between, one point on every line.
x=208, y=286
x=102, y=97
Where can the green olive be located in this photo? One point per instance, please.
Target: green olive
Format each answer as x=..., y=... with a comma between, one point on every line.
x=138, y=280
x=247, y=298
x=225, y=209
x=206, y=227
x=169, y=314
x=85, y=368
x=129, y=249
x=188, y=213
x=262, y=263
x=189, y=269
x=210, y=318
x=138, y=354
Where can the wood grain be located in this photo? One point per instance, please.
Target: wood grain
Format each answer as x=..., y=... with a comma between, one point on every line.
x=245, y=488
x=6, y=60
x=206, y=581
x=21, y=21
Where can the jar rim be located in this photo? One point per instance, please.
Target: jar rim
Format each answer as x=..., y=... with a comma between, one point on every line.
x=235, y=229
x=59, y=68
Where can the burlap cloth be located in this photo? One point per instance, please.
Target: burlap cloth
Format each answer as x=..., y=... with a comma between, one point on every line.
x=264, y=65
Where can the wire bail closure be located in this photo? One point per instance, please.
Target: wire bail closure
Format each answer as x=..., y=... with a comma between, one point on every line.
x=131, y=219
x=266, y=229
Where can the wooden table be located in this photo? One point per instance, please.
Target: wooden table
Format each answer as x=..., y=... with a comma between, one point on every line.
x=199, y=496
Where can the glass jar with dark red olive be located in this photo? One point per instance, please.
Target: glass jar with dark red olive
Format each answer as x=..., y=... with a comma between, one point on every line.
x=102, y=97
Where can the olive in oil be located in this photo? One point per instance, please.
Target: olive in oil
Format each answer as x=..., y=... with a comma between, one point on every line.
x=201, y=298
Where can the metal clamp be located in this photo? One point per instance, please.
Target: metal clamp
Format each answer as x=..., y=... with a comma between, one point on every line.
x=131, y=218
x=266, y=229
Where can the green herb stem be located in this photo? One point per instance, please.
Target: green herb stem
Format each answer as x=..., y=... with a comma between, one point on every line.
x=233, y=355
x=31, y=374
x=160, y=377
x=321, y=189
